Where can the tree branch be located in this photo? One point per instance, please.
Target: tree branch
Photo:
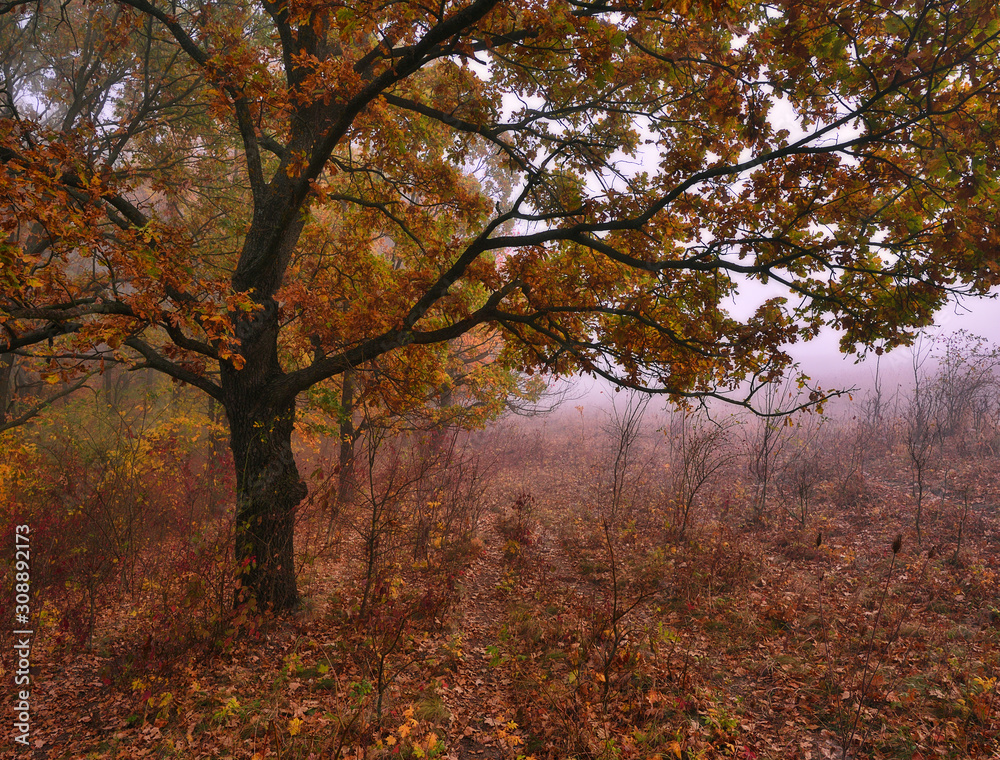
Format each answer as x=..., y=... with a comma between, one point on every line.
x=288, y=386
x=244, y=118
x=156, y=361
x=40, y=406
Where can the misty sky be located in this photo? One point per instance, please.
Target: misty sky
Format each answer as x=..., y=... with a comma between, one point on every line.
x=821, y=359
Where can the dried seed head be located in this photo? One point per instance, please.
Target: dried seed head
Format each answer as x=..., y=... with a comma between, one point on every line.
x=897, y=544
x=819, y=538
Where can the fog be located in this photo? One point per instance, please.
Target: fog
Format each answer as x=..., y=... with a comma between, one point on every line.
x=823, y=362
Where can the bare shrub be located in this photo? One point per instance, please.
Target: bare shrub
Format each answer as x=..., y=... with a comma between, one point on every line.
x=700, y=448
x=921, y=431
x=392, y=473
x=618, y=476
x=965, y=384
x=802, y=469
x=455, y=495
x=766, y=438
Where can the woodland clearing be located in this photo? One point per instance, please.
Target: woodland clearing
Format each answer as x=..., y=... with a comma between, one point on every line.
x=566, y=625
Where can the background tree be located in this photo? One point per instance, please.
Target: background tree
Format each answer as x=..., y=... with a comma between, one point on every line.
x=457, y=384
x=256, y=198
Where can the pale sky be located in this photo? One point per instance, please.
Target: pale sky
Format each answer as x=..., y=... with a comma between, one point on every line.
x=821, y=358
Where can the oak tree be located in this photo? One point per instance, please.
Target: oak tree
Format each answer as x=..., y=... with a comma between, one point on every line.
x=254, y=198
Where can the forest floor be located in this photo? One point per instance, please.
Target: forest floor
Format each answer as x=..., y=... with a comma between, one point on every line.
x=568, y=629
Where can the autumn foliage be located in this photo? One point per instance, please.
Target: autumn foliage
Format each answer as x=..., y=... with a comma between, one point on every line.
x=332, y=243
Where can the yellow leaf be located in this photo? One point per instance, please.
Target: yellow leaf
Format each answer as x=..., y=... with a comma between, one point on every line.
x=675, y=747
x=294, y=726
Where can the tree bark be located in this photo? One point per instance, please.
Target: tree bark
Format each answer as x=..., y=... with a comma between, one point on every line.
x=7, y=367
x=268, y=491
x=261, y=419
x=268, y=485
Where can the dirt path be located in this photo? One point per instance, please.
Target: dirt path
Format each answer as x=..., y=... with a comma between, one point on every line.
x=478, y=696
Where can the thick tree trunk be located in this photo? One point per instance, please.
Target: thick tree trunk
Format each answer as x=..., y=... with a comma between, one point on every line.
x=268, y=486
x=7, y=367
x=268, y=491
